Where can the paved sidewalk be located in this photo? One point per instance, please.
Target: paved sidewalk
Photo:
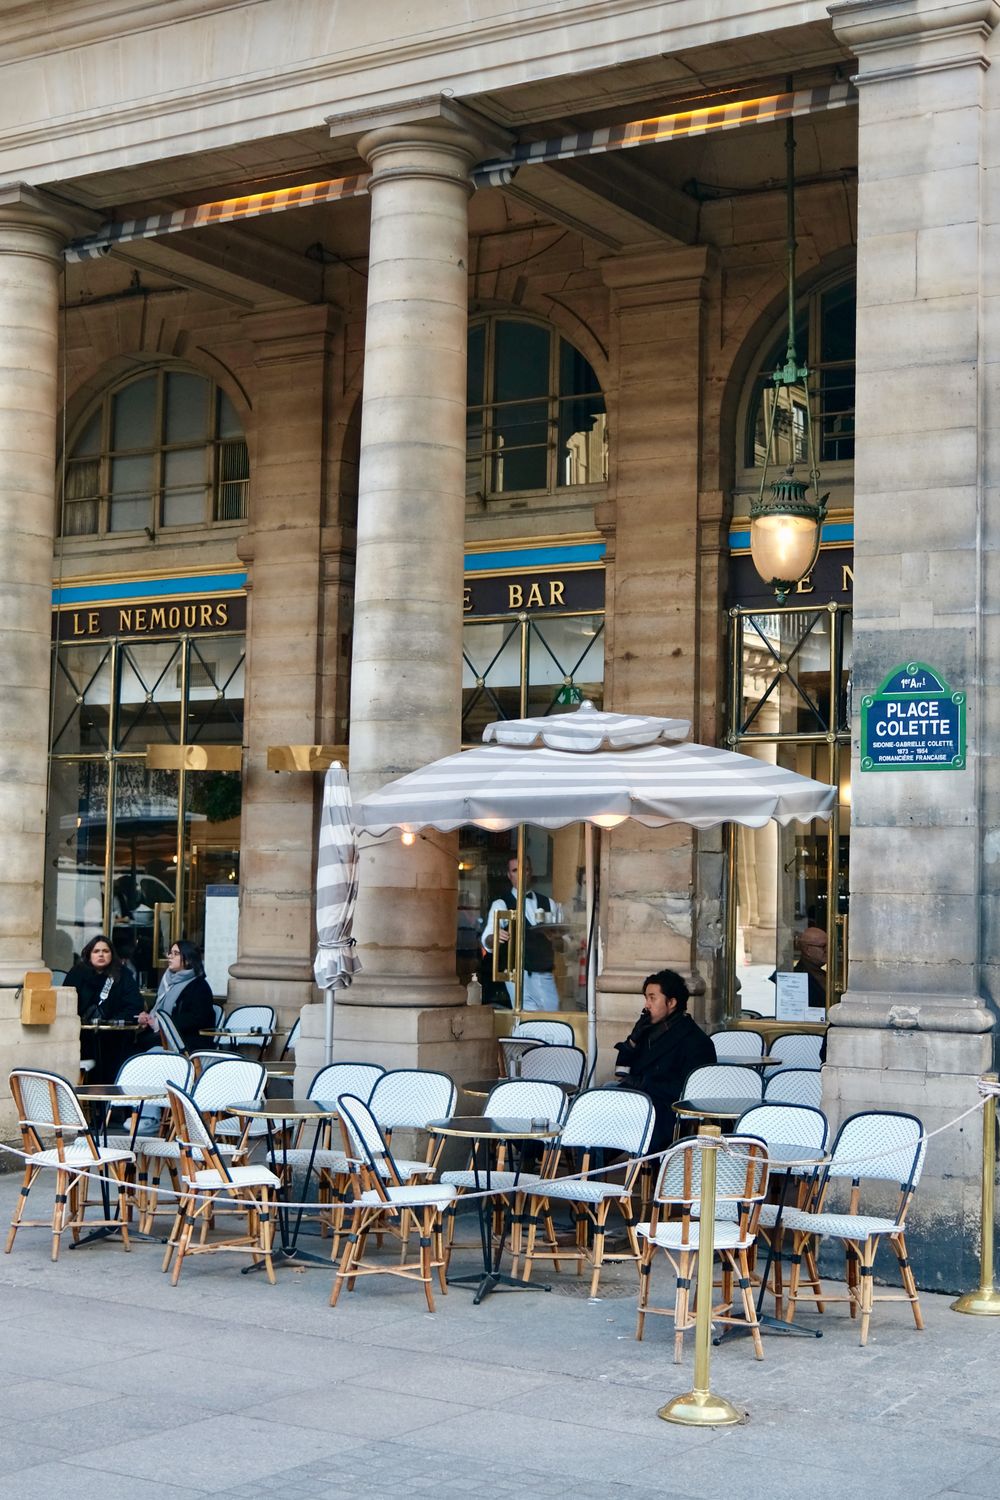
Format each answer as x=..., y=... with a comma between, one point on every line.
x=116, y=1386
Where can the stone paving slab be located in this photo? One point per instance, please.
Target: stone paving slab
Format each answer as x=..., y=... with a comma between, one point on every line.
x=114, y=1384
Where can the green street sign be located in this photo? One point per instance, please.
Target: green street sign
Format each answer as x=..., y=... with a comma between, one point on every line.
x=913, y=723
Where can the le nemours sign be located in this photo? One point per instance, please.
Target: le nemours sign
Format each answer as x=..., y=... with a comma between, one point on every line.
x=913, y=723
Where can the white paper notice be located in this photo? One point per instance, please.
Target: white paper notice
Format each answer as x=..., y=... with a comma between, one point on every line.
x=222, y=924
x=791, y=997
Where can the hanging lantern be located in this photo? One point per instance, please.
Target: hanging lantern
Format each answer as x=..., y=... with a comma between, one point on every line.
x=786, y=519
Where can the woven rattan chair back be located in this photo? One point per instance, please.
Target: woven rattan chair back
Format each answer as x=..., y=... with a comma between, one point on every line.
x=555, y=1065
x=220, y=1014
x=46, y=1105
x=155, y=1070
x=198, y=1149
x=738, y=1044
x=609, y=1120
x=880, y=1146
x=795, y=1086
x=555, y=1033
x=513, y=1050
x=797, y=1049
x=521, y=1099
x=741, y=1172
x=406, y=1098
x=365, y=1142
x=723, y=1081
x=344, y=1078
x=231, y=1080
x=255, y=1018
x=291, y=1041
x=169, y=1035
x=785, y=1125
x=202, y=1060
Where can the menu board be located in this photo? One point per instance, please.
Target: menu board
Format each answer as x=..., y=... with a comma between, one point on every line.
x=222, y=927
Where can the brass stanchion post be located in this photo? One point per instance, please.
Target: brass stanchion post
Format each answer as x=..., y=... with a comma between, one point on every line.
x=699, y=1407
x=985, y=1300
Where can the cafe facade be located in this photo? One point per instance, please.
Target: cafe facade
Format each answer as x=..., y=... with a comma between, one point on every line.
x=360, y=385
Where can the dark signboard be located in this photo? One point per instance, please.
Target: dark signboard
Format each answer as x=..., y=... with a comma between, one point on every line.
x=913, y=723
x=153, y=617
x=830, y=582
x=549, y=591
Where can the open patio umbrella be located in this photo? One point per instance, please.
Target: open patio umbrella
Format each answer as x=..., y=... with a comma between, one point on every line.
x=336, y=896
x=599, y=769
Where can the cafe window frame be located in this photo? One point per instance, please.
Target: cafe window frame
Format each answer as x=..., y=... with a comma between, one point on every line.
x=94, y=479
x=490, y=367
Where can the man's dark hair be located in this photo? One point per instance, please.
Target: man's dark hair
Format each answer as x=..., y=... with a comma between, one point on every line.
x=672, y=985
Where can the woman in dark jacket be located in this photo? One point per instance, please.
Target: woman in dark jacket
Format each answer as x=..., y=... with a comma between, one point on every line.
x=665, y=1045
x=185, y=995
x=106, y=991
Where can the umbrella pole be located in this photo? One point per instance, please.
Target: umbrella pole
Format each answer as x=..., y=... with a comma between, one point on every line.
x=588, y=841
x=328, y=1025
x=519, y=927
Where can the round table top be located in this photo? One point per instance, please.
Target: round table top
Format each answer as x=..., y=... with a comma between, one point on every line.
x=108, y=1025
x=748, y=1062
x=480, y=1127
x=279, y=1069
x=482, y=1087
x=714, y=1108
x=282, y=1109
x=253, y=1031
x=113, y=1093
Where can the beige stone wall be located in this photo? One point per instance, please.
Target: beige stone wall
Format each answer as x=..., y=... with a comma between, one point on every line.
x=54, y=1048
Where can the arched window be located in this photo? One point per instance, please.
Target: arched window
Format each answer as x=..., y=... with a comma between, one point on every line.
x=159, y=450
x=536, y=415
x=825, y=339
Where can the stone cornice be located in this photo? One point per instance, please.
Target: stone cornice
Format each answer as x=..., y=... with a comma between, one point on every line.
x=892, y=38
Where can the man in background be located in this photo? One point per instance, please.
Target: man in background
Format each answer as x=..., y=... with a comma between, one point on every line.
x=539, y=989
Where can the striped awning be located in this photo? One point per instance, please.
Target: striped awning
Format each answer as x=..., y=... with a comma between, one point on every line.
x=499, y=786
x=336, y=886
x=690, y=122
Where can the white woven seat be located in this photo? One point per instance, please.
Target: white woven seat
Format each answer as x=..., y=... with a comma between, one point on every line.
x=236, y=1178
x=300, y=1156
x=79, y=1156
x=839, y=1226
x=672, y=1235
x=593, y=1190
x=161, y=1150
x=438, y=1195
x=499, y=1182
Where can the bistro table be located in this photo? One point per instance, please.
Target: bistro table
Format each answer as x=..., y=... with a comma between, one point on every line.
x=102, y=1098
x=485, y=1133
x=748, y=1062
x=712, y=1108
x=481, y=1088
x=288, y=1112
x=783, y=1157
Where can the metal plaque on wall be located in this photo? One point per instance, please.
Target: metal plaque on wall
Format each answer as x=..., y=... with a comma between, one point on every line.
x=914, y=722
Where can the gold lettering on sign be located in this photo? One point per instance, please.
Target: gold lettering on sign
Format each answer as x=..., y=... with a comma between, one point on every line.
x=124, y=620
x=140, y=619
x=205, y=613
x=173, y=617
x=515, y=595
x=556, y=592
x=466, y=599
x=77, y=627
x=222, y=614
x=93, y=622
x=805, y=585
x=535, y=600
x=846, y=577
x=157, y=618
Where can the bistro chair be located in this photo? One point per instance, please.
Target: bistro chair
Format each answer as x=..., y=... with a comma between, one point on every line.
x=384, y=1201
x=204, y=1059
x=515, y=1099
x=253, y=1018
x=719, y=1081
x=780, y=1127
x=220, y=1014
x=170, y=1038
x=795, y=1086
x=741, y=1182
x=555, y=1065
x=149, y=1070
x=291, y=1041
x=47, y=1106
x=333, y=1168
x=233, y=1080
x=209, y=1181
x=877, y=1146
x=599, y=1120
x=555, y=1033
x=797, y=1049
x=405, y=1099
x=730, y=1044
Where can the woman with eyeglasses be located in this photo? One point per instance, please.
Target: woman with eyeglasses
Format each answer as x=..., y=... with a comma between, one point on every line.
x=107, y=993
x=185, y=995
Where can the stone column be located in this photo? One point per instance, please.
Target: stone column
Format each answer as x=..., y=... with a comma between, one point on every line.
x=652, y=650
x=32, y=235
x=406, y=672
x=283, y=550
x=913, y=1029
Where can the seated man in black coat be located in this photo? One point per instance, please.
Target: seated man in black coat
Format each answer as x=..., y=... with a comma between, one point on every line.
x=665, y=1045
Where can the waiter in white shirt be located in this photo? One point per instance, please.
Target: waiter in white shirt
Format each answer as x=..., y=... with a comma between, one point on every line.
x=539, y=988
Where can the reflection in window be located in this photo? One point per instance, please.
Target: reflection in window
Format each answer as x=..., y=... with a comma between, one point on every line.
x=825, y=341
x=536, y=417
x=163, y=450
x=564, y=657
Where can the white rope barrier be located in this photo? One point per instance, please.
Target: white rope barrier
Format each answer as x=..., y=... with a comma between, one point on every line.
x=985, y=1088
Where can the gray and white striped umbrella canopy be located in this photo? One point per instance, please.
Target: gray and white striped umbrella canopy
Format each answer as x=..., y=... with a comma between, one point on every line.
x=336, y=886
x=597, y=768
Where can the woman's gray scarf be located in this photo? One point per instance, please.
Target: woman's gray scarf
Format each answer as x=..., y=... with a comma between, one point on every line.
x=171, y=985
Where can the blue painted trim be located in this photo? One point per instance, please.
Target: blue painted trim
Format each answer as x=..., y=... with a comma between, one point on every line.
x=150, y=588
x=833, y=531
x=534, y=557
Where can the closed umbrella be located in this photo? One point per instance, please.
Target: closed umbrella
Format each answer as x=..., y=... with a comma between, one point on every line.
x=599, y=769
x=336, y=895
